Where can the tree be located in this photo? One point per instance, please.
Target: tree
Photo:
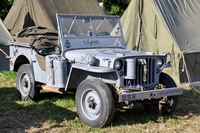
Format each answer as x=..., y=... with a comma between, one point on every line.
x=4, y=7
x=115, y=7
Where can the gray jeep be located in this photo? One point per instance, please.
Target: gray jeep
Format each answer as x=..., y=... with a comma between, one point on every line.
x=88, y=55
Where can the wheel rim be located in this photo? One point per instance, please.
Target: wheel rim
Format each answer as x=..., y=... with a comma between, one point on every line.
x=90, y=104
x=24, y=84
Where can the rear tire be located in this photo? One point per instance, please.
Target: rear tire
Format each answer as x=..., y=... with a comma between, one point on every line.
x=95, y=103
x=170, y=107
x=26, y=85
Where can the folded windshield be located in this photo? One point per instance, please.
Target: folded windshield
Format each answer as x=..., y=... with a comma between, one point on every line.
x=90, y=26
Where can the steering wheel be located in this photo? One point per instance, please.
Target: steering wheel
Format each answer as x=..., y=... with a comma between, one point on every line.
x=68, y=35
x=104, y=33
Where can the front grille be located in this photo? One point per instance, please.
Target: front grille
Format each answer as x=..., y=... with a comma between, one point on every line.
x=134, y=72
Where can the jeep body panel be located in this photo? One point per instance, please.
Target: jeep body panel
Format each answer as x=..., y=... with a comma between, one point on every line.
x=22, y=53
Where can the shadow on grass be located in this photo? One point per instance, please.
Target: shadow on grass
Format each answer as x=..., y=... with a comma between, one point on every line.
x=51, y=95
x=19, y=116
x=189, y=103
x=137, y=115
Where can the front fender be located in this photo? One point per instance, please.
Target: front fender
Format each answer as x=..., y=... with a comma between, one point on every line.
x=79, y=73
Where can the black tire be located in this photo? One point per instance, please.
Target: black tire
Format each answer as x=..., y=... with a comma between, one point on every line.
x=26, y=85
x=167, y=109
x=95, y=103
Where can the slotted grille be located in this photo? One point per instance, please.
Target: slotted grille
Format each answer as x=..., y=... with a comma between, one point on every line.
x=141, y=77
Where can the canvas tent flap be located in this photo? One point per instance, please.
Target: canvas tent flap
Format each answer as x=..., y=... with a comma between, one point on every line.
x=26, y=13
x=166, y=26
x=4, y=34
x=182, y=19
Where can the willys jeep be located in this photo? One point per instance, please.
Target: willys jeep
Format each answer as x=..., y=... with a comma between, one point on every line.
x=88, y=54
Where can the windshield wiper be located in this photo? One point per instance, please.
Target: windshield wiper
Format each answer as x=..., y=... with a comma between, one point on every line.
x=71, y=25
x=101, y=23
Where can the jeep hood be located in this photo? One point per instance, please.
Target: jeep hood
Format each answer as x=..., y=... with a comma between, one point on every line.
x=101, y=57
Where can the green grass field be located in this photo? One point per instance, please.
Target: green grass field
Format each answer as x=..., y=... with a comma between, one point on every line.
x=55, y=113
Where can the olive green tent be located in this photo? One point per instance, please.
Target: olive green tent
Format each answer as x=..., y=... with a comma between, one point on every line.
x=26, y=13
x=4, y=34
x=167, y=26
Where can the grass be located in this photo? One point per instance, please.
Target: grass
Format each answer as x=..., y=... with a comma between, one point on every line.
x=57, y=114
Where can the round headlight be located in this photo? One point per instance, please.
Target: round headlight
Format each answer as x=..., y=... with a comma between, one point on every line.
x=159, y=62
x=117, y=65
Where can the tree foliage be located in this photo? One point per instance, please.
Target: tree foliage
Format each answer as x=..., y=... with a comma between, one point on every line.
x=115, y=7
x=4, y=7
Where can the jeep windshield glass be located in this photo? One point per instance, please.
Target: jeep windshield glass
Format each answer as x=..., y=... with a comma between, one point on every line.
x=90, y=26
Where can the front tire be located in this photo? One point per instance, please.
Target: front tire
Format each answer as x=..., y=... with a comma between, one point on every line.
x=26, y=85
x=172, y=101
x=95, y=103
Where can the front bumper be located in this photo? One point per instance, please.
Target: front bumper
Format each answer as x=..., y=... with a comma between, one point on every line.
x=141, y=95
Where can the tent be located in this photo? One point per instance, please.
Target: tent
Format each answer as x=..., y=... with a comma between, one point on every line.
x=26, y=13
x=167, y=26
x=4, y=34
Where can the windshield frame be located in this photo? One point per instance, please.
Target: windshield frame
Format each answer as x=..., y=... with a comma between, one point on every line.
x=93, y=41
